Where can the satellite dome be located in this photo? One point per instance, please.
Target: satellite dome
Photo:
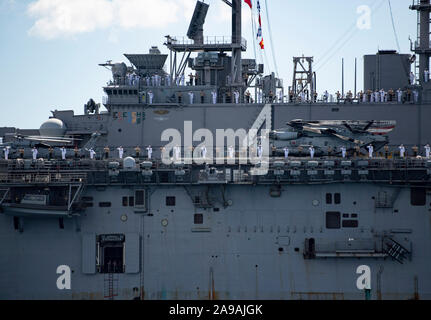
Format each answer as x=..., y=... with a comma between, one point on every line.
x=129, y=163
x=53, y=128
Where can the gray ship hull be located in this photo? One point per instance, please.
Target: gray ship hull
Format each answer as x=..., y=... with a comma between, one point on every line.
x=253, y=249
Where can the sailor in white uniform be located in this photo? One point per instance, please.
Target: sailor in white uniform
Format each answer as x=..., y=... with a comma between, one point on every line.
x=92, y=153
x=236, y=94
x=402, y=150
x=204, y=152
x=382, y=95
x=370, y=151
x=399, y=95
x=326, y=96
x=259, y=151
x=183, y=79
x=149, y=152
x=177, y=151
x=191, y=96
x=63, y=153
x=34, y=152
x=120, y=152
x=214, y=96
x=416, y=96
x=343, y=151
x=426, y=75
x=6, y=153
x=311, y=152
x=427, y=151
x=231, y=152
x=168, y=80
x=286, y=152
x=150, y=96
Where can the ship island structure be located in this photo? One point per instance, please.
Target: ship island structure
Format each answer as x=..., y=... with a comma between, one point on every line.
x=134, y=226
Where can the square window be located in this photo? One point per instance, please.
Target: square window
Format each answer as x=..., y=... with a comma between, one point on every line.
x=329, y=198
x=125, y=202
x=337, y=198
x=333, y=220
x=346, y=215
x=131, y=201
x=170, y=201
x=354, y=215
x=199, y=218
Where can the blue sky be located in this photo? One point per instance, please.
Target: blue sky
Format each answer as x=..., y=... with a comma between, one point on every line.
x=50, y=48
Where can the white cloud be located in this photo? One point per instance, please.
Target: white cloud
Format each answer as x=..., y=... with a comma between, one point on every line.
x=57, y=18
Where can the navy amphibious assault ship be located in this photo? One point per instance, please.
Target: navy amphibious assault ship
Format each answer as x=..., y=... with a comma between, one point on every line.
x=111, y=204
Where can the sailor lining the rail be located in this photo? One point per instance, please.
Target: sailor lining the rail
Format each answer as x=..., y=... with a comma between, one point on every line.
x=191, y=96
x=150, y=97
x=402, y=150
x=204, y=152
x=236, y=95
x=34, y=152
x=343, y=151
x=92, y=153
x=326, y=96
x=426, y=75
x=370, y=151
x=6, y=153
x=177, y=151
x=382, y=95
x=286, y=152
x=149, y=152
x=259, y=151
x=416, y=95
x=63, y=153
x=399, y=95
x=427, y=151
x=137, y=152
x=231, y=152
x=168, y=80
x=214, y=96
x=120, y=152
x=312, y=151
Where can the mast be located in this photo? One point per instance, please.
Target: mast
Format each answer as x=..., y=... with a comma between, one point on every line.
x=422, y=45
x=236, y=75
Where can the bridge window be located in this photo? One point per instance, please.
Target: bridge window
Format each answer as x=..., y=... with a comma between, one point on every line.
x=333, y=220
x=131, y=201
x=125, y=201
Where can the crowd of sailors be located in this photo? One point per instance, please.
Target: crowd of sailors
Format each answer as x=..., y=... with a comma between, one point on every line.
x=368, y=96
x=409, y=95
x=203, y=152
